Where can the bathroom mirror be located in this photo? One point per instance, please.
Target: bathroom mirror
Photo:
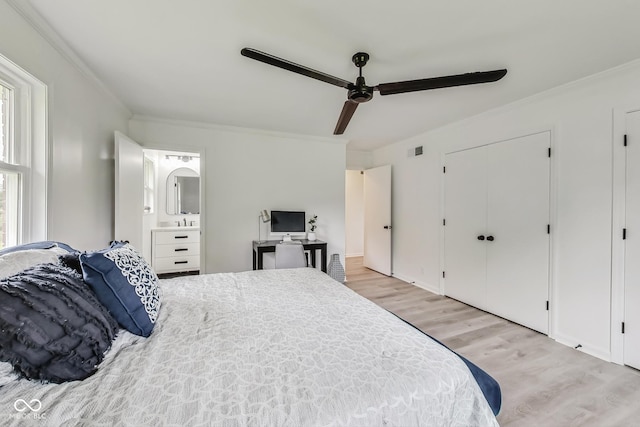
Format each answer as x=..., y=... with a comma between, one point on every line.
x=183, y=192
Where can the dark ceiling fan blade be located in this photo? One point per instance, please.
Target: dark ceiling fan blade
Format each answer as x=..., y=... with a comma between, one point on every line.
x=441, y=82
x=290, y=66
x=345, y=116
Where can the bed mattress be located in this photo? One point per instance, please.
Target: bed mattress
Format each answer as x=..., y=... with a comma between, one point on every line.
x=263, y=348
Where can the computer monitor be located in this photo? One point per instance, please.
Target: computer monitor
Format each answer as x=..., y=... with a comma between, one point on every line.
x=287, y=223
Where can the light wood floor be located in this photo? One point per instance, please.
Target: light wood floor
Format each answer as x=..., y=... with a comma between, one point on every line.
x=543, y=383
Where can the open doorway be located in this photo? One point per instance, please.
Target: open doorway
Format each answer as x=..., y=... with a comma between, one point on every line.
x=160, y=217
x=368, y=217
x=171, y=204
x=354, y=213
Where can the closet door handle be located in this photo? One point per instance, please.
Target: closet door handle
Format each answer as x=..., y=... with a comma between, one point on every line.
x=490, y=238
x=481, y=237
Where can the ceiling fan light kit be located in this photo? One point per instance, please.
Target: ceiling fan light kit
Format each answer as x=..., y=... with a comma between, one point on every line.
x=359, y=92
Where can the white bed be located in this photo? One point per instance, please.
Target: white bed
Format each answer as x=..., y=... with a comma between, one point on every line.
x=263, y=348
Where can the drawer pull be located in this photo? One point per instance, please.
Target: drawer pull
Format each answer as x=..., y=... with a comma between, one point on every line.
x=181, y=249
x=180, y=237
x=181, y=262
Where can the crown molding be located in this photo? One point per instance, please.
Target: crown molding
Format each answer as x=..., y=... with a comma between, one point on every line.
x=633, y=66
x=237, y=129
x=548, y=93
x=37, y=22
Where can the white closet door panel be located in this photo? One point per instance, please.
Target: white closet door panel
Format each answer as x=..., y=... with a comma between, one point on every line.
x=518, y=215
x=632, y=245
x=466, y=216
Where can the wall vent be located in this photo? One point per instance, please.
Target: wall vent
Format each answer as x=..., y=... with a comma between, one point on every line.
x=418, y=151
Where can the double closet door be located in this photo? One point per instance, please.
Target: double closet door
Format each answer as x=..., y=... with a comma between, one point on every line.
x=632, y=243
x=496, y=232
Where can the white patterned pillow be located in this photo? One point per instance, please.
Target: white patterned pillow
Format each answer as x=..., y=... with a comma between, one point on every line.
x=125, y=283
x=14, y=262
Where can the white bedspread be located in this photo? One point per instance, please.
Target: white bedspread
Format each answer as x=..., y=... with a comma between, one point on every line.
x=263, y=348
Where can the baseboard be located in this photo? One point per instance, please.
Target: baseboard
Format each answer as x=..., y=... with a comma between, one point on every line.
x=418, y=283
x=574, y=342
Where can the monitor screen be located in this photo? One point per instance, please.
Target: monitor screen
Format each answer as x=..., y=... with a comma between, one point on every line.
x=287, y=222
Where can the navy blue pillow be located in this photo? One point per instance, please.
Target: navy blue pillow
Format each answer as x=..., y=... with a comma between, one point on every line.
x=124, y=282
x=46, y=244
x=52, y=327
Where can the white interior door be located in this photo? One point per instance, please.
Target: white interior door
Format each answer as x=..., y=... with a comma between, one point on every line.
x=129, y=189
x=632, y=245
x=465, y=228
x=517, y=237
x=377, y=219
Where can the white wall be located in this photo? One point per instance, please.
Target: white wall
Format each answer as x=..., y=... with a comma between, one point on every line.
x=579, y=116
x=82, y=118
x=359, y=160
x=354, y=216
x=246, y=171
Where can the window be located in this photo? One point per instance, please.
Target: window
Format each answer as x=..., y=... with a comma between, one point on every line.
x=11, y=174
x=22, y=156
x=6, y=120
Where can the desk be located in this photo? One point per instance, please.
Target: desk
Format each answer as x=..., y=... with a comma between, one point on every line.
x=309, y=245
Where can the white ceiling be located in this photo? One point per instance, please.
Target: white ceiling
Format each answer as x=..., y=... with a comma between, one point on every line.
x=180, y=59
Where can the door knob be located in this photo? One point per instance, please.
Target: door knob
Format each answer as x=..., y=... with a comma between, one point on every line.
x=490, y=238
x=481, y=237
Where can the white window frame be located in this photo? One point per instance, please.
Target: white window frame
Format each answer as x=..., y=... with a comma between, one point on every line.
x=30, y=157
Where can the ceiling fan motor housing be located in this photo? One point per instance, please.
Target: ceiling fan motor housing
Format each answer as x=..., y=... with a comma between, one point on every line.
x=360, y=92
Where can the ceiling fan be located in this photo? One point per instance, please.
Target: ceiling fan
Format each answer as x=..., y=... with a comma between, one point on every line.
x=359, y=92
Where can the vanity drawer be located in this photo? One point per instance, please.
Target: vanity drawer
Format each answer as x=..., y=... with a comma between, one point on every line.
x=177, y=250
x=182, y=263
x=166, y=237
